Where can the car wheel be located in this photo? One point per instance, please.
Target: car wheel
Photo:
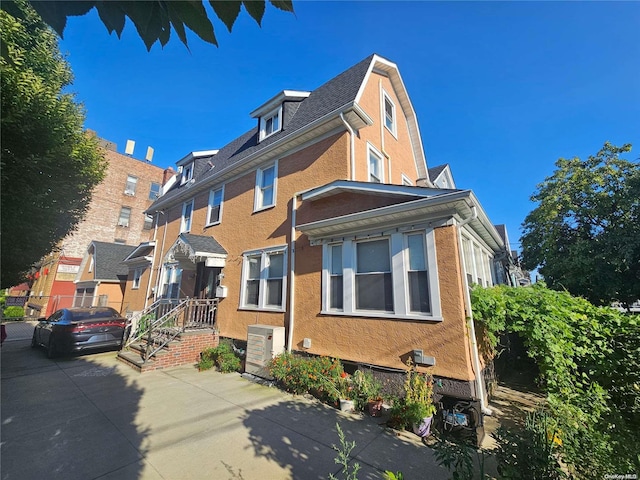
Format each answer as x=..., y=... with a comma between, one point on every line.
x=34, y=344
x=51, y=348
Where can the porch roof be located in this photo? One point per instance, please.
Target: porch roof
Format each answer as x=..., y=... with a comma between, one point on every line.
x=203, y=246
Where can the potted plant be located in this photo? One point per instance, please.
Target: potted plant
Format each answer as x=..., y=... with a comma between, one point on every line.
x=367, y=392
x=416, y=409
x=341, y=390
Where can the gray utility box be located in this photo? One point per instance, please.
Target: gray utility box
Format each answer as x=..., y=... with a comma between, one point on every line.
x=263, y=343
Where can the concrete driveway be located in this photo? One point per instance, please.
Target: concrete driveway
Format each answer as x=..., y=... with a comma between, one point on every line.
x=90, y=417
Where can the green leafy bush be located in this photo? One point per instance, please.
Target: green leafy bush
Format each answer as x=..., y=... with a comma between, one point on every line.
x=13, y=312
x=222, y=356
x=300, y=375
x=589, y=362
x=366, y=388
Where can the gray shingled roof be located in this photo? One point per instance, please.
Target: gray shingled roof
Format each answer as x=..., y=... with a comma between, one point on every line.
x=435, y=171
x=338, y=92
x=201, y=243
x=108, y=259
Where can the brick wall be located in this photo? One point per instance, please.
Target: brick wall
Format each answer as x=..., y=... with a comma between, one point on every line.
x=186, y=351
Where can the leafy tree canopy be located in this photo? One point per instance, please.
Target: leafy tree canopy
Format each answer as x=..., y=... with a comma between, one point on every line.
x=154, y=19
x=584, y=235
x=49, y=165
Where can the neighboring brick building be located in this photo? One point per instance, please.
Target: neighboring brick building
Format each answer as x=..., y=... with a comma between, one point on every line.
x=115, y=215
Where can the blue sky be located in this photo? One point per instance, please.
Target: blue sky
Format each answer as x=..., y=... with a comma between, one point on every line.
x=501, y=89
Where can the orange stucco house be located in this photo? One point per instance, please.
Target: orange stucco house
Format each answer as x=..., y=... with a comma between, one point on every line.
x=323, y=219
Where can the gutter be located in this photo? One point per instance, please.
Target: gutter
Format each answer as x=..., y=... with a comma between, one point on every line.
x=292, y=267
x=470, y=324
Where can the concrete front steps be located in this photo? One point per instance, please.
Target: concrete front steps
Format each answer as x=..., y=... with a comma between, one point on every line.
x=183, y=350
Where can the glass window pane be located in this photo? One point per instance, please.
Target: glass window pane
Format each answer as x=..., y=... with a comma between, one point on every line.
x=276, y=265
x=417, y=260
x=336, y=259
x=217, y=197
x=214, y=216
x=267, y=177
x=254, y=267
x=251, y=296
x=274, y=292
x=276, y=122
x=335, y=292
x=374, y=167
x=419, y=292
x=267, y=197
x=373, y=256
x=374, y=292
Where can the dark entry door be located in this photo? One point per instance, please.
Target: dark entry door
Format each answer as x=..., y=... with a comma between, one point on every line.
x=206, y=281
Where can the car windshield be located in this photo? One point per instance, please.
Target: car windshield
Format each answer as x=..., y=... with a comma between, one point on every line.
x=94, y=313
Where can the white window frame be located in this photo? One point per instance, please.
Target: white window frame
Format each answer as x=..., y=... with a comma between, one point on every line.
x=376, y=153
x=478, y=262
x=258, y=200
x=154, y=196
x=264, y=255
x=211, y=205
x=127, y=222
x=406, y=180
x=394, y=122
x=187, y=172
x=186, y=223
x=399, y=259
x=148, y=222
x=269, y=116
x=131, y=185
x=137, y=275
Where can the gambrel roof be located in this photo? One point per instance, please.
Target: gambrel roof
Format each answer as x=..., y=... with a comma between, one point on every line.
x=307, y=118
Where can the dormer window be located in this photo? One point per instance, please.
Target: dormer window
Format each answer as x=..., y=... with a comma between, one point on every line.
x=271, y=123
x=187, y=173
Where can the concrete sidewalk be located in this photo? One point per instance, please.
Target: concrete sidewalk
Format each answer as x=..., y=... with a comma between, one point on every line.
x=90, y=417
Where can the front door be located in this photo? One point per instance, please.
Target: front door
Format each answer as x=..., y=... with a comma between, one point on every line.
x=206, y=281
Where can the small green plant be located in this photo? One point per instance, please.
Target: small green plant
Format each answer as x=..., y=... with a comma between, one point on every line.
x=222, y=356
x=344, y=452
x=417, y=403
x=366, y=388
x=389, y=475
x=316, y=375
x=461, y=458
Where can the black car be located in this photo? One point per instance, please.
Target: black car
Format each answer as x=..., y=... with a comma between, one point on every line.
x=77, y=329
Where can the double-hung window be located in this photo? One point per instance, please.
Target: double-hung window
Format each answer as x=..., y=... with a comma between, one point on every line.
x=125, y=216
x=187, y=173
x=390, y=276
x=389, y=113
x=477, y=263
x=137, y=275
x=271, y=123
x=214, y=210
x=130, y=186
x=154, y=191
x=264, y=279
x=375, y=166
x=266, y=183
x=373, y=279
x=187, y=214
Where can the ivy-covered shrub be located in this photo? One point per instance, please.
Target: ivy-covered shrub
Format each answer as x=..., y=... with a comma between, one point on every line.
x=589, y=362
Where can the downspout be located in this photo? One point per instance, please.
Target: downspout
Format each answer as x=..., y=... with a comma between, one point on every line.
x=472, y=329
x=153, y=261
x=164, y=236
x=352, y=146
x=292, y=267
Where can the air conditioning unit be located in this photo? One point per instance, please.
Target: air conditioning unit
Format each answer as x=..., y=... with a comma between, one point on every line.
x=263, y=343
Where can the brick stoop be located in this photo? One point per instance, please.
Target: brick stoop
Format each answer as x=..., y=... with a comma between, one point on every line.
x=184, y=350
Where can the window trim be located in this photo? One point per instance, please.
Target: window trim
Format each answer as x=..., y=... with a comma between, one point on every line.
x=263, y=122
x=183, y=222
x=406, y=181
x=470, y=266
x=399, y=270
x=187, y=172
x=155, y=196
x=137, y=277
x=131, y=179
x=394, y=120
x=210, y=205
x=263, y=254
x=258, y=191
x=371, y=149
x=126, y=224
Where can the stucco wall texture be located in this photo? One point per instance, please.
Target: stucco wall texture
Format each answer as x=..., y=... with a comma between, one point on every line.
x=379, y=341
